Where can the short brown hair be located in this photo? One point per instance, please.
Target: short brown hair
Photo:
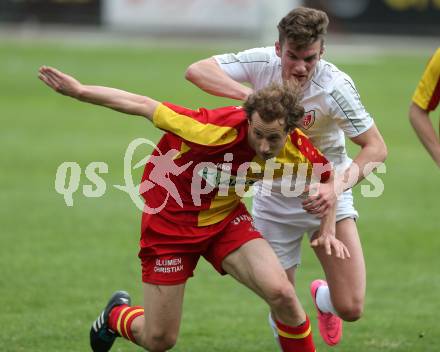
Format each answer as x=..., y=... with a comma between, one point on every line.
x=303, y=26
x=278, y=101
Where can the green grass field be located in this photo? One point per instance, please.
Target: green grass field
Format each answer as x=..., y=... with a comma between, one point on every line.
x=58, y=265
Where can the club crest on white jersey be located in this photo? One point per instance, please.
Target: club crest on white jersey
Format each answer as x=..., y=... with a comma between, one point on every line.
x=308, y=119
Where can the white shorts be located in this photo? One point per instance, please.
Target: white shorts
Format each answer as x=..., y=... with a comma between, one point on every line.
x=283, y=222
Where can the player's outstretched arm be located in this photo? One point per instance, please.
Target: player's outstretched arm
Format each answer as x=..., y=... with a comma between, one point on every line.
x=326, y=236
x=208, y=76
x=112, y=98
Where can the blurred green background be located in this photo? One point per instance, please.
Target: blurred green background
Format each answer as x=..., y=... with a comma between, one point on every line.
x=60, y=264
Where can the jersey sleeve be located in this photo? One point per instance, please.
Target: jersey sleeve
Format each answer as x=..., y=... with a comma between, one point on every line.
x=246, y=65
x=427, y=93
x=347, y=108
x=203, y=126
x=311, y=154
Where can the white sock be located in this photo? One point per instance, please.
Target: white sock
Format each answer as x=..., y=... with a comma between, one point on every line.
x=274, y=329
x=323, y=300
x=273, y=326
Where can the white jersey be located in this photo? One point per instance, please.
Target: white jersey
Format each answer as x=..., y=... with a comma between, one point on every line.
x=332, y=104
x=333, y=110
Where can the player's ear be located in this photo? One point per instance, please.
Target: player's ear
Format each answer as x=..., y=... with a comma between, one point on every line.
x=321, y=52
x=278, y=48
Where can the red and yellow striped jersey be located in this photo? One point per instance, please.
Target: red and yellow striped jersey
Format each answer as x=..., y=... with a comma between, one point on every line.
x=427, y=94
x=193, y=175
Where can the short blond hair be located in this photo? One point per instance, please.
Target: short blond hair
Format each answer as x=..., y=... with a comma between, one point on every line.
x=278, y=101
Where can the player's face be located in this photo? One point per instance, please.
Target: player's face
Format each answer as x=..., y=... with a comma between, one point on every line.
x=266, y=138
x=298, y=64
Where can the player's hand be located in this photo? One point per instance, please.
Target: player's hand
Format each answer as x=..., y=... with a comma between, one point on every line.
x=321, y=198
x=331, y=245
x=246, y=92
x=59, y=81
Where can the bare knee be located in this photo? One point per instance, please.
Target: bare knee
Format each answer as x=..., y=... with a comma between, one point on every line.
x=159, y=341
x=351, y=310
x=280, y=294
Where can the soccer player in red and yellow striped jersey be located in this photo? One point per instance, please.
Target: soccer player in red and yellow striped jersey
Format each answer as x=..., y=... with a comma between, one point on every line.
x=426, y=99
x=193, y=209
x=204, y=139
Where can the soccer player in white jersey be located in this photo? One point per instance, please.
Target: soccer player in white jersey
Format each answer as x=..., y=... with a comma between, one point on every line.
x=333, y=111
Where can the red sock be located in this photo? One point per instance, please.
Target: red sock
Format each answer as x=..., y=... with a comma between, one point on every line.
x=296, y=339
x=121, y=317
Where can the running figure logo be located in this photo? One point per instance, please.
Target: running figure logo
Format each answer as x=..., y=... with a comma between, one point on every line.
x=164, y=165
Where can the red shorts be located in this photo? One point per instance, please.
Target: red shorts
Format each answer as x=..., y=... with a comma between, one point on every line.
x=171, y=259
